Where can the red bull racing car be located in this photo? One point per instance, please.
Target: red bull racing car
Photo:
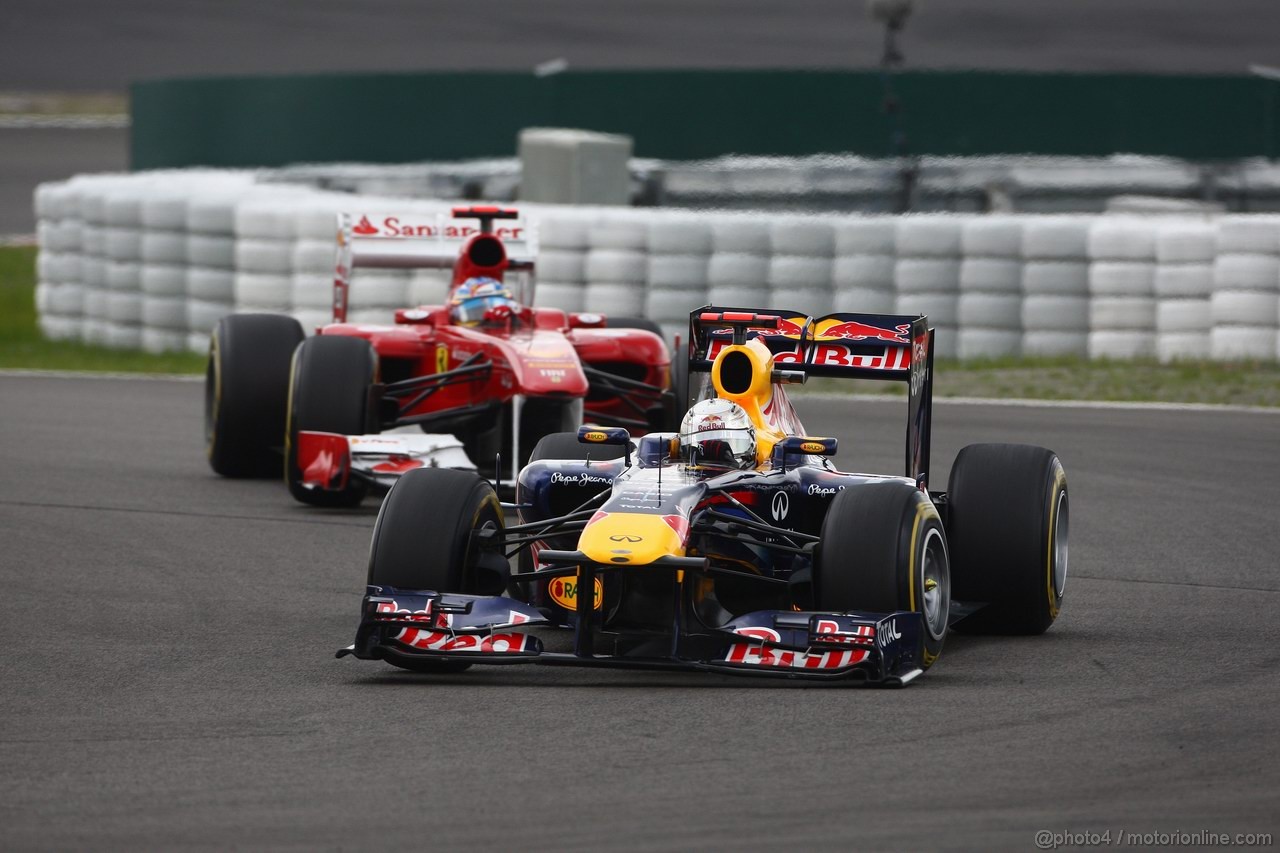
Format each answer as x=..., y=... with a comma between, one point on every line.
x=733, y=545
x=484, y=376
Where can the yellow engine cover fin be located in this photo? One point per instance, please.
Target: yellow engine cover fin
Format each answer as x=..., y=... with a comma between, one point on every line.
x=743, y=374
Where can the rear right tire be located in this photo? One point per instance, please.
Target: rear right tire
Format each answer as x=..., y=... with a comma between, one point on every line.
x=1007, y=521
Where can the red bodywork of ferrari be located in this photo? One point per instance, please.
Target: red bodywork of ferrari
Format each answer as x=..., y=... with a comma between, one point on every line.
x=467, y=380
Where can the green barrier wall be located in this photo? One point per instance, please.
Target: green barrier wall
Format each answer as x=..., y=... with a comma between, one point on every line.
x=272, y=121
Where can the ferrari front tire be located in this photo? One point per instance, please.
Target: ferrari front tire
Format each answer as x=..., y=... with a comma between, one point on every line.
x=1008, y=517
x=246, y=389
x=332, y=381
x=884, y=550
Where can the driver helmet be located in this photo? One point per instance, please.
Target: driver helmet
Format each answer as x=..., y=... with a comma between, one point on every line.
x=475, y=296
x=720, y=433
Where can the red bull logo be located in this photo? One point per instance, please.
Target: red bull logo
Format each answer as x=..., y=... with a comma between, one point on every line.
x=710, y=423
x=855, y=331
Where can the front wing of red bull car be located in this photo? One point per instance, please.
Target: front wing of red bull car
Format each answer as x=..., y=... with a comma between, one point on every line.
x=634, y=554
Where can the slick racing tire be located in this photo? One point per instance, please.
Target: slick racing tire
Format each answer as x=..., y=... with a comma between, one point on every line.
x=884, y=550
x=1007, y=523
x=246, y=391
x=332, y=381
x=423, y=540
x=565, y=445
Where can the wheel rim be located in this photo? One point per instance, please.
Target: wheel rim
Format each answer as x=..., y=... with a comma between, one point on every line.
x=1061, y=528
x=936, y=583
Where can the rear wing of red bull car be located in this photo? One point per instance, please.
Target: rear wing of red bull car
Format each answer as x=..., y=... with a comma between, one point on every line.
x=893, y=347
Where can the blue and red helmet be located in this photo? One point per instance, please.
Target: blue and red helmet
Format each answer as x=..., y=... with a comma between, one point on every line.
x=474, y=297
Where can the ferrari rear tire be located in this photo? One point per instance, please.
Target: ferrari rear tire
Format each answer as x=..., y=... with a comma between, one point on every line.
x=884, y=550
x=246, y=390
x=333, y=377
x=423, y=540
x=1008, y=519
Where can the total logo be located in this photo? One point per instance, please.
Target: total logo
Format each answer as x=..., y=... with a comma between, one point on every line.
x=887, y=631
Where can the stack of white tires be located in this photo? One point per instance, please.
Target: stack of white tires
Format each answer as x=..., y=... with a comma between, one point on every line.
x=677, y=275
x=211, y=257
x=802, y=252
x=617, y=263
x=738, y=272
x=60, y=281
x=862, y=271
x=1183, y=287
x=562, y=260
x=1055, y=286
x=927, y=274
x=989, y=311
x=1122, y=272
x=1246, y=288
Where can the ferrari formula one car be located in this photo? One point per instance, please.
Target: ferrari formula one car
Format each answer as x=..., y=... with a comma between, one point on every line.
x=733, y=545
x=486, y=375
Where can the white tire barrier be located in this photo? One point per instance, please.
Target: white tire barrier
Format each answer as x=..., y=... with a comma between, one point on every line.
x=1246, y=289
x=153, y=260
x=431, y=287
x=863, y=268
x=927, y=274
x=989, y=309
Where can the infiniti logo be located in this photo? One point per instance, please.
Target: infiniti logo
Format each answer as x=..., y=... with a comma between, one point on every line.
x=780, y=505
x=619, y=537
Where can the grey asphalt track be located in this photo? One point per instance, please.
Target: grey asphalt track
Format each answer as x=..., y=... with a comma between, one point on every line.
x=168, y=678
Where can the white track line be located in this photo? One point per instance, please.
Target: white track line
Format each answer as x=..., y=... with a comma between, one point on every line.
x=97, y=374
x=1047, y=404
x=91, y=121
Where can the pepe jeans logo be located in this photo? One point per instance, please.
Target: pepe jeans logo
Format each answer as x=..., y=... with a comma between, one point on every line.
x=780, y=505
x=581, y=479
